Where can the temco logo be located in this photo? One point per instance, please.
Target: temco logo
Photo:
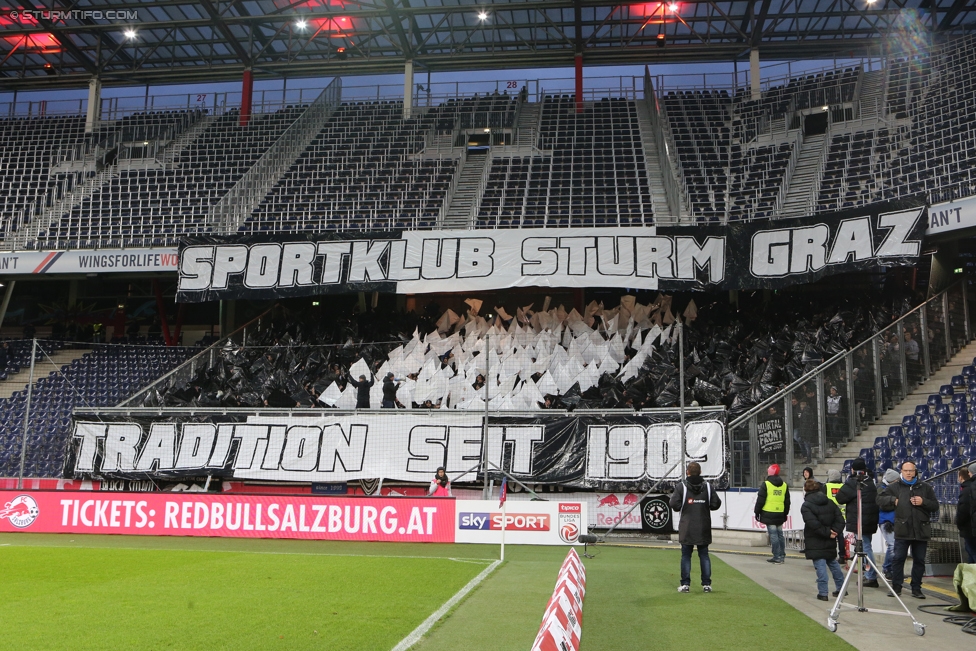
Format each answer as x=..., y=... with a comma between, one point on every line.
x=20, y=511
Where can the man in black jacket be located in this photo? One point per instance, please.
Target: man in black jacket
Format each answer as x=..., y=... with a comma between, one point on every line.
x=823, y=524
x=362, y=391
x=913, y=502
x=869, y=504
x=695, y=499
x=772, y=509
x=389, y=392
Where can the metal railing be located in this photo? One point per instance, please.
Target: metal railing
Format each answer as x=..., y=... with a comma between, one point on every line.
x=867, y=381
x=204, y=359
x=671, y=187
x=238, y=203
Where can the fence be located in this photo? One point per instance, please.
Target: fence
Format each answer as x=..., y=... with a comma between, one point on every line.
x=825, y=409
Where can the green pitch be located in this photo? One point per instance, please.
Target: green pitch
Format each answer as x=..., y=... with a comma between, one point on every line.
x=220, y=596
x=114, y=592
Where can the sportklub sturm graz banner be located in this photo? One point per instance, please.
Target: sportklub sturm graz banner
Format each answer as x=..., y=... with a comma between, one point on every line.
x=747, y=255
x=607, y=452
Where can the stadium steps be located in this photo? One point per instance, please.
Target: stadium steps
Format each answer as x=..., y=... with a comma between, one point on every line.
x=917, y=397
x=175, y=148
x=871, y=100
x=652, y=163
x=798, y=197
x=527, y=128
x=465, y=201
x=42, y=223
x=42, y=368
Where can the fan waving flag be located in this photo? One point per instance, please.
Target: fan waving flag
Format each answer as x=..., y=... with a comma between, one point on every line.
x=503, y=492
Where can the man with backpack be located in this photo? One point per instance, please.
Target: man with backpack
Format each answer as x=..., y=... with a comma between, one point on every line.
x=695, y=499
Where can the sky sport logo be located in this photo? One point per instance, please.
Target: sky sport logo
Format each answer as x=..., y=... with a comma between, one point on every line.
x=513, y=521
x=63, y=15
x=20, y=511
x=570, y=522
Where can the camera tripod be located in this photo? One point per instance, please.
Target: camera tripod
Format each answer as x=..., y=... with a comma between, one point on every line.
x=857, y=565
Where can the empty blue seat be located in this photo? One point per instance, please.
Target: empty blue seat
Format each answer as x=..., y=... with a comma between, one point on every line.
x=963, y=438
x=937, y=466
x=944, y=429
x=916, y=452
x=913, y=440
x=968, y=371
x=934, y=400
x=929, y=440
x=958, y=381
x=922, y=410
x=894, y=430
x=922, y=466
x=883, y=453
x=884, y=465
x=881, y=442
x=847, y=467
x=866, y=453
x=941, y=410
x=908, y=421
x=945, y=390
x=899, y=441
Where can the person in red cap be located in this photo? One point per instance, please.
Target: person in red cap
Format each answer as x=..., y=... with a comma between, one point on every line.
x=772, y=509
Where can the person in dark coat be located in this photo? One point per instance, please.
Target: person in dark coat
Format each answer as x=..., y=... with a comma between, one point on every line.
x=822, y=525
x=964, y=512
x=389, y=392
x=772, y=509
x=913, y=502
x=362, y=391
x=694, y=498
x=847, y=495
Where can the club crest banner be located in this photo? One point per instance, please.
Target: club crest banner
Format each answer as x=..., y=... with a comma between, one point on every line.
x=749, y=255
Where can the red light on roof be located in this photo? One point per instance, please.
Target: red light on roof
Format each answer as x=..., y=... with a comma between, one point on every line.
x=340, y=50
x=44, y=43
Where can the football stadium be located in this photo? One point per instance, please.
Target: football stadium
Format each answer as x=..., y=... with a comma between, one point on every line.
x=542, y=325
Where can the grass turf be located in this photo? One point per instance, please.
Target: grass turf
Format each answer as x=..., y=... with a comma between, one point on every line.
x=631, y=603
x=97, y=593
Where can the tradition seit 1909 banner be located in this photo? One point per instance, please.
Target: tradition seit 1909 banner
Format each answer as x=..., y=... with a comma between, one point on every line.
x=746, y=255
x=617, y=452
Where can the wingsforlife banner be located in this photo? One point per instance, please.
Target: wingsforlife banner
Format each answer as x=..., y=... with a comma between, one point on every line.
x=749, y=255
x=611, y=452
x=13, y=263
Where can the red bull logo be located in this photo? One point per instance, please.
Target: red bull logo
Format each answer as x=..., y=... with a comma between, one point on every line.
x=609, y=500
x=20, y=511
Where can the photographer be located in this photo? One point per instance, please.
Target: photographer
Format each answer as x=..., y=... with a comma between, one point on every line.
x=869, y=518
x=440, y=485
x=913, y=502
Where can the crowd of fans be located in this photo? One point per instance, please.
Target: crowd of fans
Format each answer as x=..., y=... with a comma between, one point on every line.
x=620, y=357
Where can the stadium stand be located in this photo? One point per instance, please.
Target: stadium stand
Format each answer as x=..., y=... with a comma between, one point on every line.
x=155, y=206
x=101, y=378
x=738, y=360
x=361, y=172
x=891, y=133
x=590, y=171
x=29, y=148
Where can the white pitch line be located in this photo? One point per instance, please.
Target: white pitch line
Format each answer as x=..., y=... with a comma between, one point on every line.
x=479, y=561
x=426, y=625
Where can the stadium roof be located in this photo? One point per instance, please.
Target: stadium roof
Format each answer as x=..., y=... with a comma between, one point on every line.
x=176, y=41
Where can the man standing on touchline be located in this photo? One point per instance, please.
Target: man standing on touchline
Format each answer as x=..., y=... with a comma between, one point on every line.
x=695, y=500
x=772, y=509
x=913, y=502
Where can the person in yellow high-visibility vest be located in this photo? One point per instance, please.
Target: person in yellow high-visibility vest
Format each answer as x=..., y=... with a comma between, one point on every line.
x=772, y=509
x=834, y=483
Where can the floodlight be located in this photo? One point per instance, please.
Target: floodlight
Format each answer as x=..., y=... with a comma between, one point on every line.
x=483, y=15
x=130, y=34
x=673, y=7
x=300, y=23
